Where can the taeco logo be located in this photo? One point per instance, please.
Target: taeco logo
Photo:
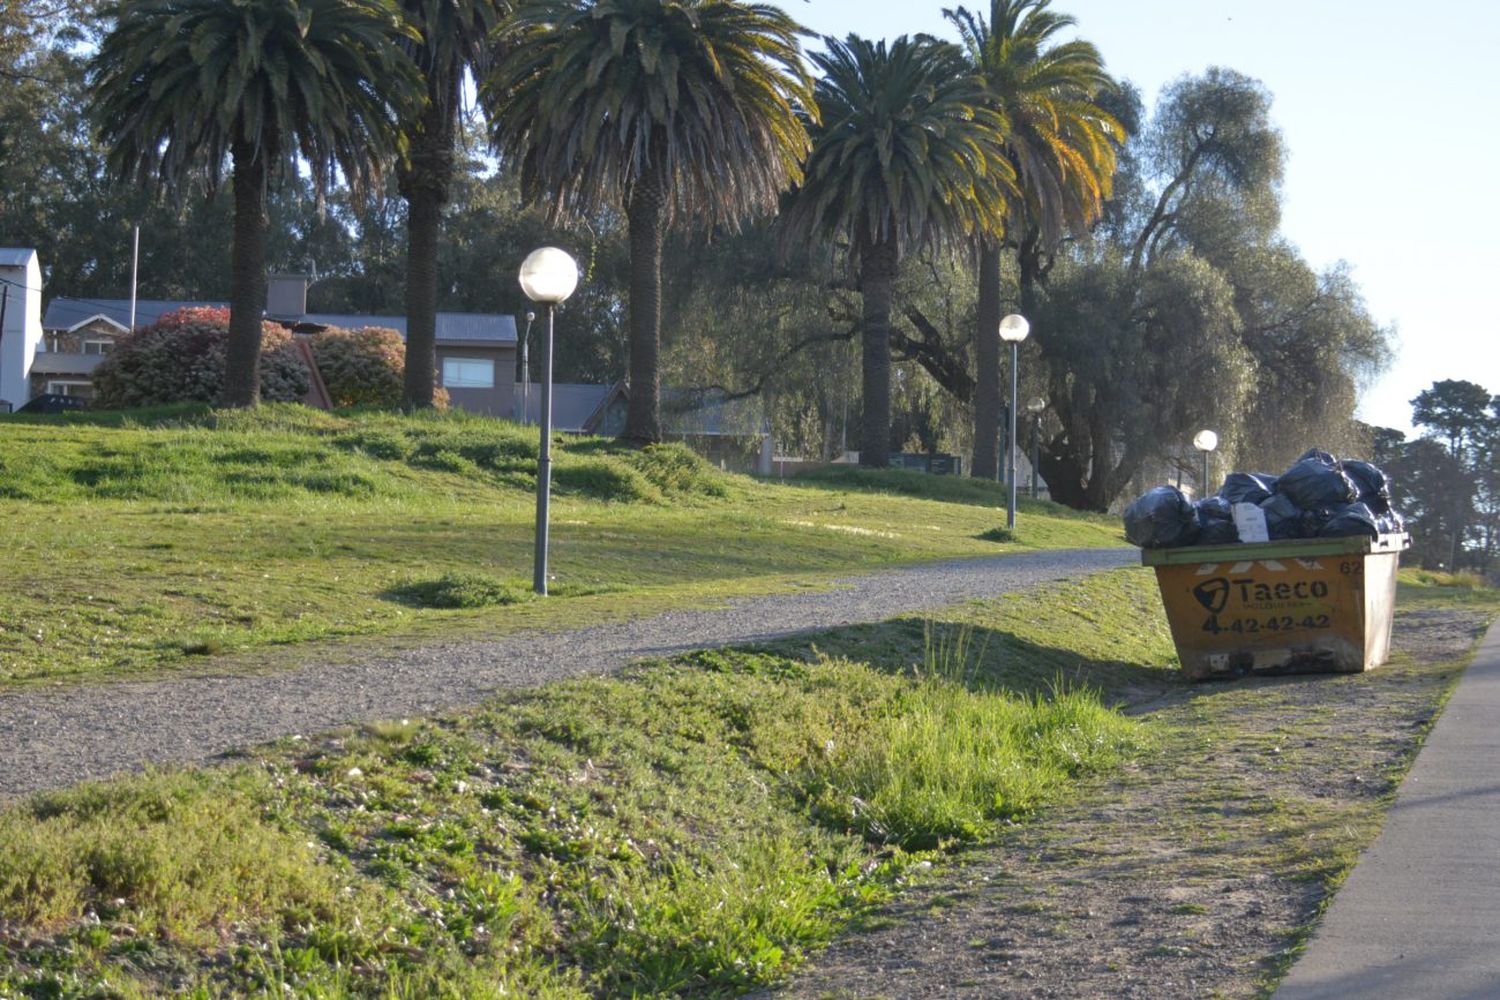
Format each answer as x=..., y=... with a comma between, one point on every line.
x=1213, y=594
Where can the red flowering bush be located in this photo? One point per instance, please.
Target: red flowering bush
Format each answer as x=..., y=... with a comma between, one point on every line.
x=180, y=358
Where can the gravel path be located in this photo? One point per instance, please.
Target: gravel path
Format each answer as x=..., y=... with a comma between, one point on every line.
x=51, y=739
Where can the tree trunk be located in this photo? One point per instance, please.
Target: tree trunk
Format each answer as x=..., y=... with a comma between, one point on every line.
x=423, y=220
x=987, y=391
x=247, y=282
x=877, y=279
x=644, y=215
x=424, y=181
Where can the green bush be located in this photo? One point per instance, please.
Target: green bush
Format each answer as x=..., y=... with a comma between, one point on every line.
x=180, y=359
x=460, y=590
x=364, y=367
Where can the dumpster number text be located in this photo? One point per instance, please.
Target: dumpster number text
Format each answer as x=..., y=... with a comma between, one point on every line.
x=1274, y=623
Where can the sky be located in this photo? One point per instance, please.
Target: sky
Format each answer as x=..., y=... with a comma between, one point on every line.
x=1392, y=152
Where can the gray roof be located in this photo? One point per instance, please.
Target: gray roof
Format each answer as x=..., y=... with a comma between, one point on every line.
x=466, y=327
x=52, y=363
x=16, y=256
x=64, y=314
x=572, y=403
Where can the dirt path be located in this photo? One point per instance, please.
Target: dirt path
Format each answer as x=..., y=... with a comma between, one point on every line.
x=1190, y=875
x=54, y=738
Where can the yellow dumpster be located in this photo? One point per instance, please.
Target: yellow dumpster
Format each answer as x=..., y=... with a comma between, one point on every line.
x=1305, y=605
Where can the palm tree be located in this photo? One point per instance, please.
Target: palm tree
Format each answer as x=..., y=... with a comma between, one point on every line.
x=454, y=34
x=179, y=87
x=673, y=110
x=1062, y=146
x=909, y=152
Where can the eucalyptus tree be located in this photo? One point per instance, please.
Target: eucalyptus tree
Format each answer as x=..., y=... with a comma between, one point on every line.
x=676, y=111
x=180, y=87
x=909, y=152
x=1148, y=323
x=1062, y=145
x=454, y=40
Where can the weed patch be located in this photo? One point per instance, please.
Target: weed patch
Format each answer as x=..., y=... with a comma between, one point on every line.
x=460, y=590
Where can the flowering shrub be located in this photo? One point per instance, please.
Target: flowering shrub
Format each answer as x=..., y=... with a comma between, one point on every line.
x=363, y=367
x=180, y=358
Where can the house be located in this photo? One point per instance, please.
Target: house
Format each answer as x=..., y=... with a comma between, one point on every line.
x=732, y=433
x=20, y=323
x=476, y=352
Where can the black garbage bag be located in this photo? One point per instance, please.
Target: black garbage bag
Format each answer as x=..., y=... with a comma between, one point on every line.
x=1317, y=455
x=1284, y=519
x=1350, y=519
x=1215, y=521
x=1161, y=518
x=1248, y=487
x=1373, y=485
x=1312, y=483
x=1390, y=523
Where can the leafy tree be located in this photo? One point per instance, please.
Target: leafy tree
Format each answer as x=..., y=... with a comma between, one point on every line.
x=909, y=152
x=1486, y=465
x=1060, y=142
x=179, y=87
x=1468, y=418
x=1458, y=409
x=1135, y=365
x=1435, y=493
x=453, y=40
x=1185, y=298
x=672, y=110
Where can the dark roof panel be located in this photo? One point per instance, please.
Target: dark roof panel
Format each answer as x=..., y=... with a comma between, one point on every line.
x=51, y=363
x=64, y=314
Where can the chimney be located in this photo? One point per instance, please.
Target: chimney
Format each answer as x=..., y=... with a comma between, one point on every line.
x=286, y=295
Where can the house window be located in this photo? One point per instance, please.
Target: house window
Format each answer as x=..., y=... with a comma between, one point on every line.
x=469, y=373
x=98, y=345
x=78, y=390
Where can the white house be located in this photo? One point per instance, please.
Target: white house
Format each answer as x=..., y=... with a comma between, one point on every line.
x=20, y=323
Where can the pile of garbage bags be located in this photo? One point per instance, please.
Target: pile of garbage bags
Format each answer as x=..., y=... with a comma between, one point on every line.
x=1318, y=497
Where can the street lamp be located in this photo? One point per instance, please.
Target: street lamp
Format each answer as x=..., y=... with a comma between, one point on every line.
x=1013, y=330
x=1035, y=408
x=1205, y=441
x=548, y=276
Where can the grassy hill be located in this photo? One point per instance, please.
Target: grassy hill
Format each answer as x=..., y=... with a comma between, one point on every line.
x=146, y=539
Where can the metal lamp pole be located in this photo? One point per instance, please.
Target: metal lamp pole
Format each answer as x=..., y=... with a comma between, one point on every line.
x=1013, y=330
x=548, y=276
x=1205, y=441
x=526, y=370
x=1035, y=407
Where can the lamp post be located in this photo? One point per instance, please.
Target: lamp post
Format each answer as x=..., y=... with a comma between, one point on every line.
x=1205, y=441
x=1013, y=330
x=548, y=276
x=1035, y=408
x=526, y=369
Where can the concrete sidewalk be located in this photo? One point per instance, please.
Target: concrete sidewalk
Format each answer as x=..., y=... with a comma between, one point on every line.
x=1419, y=917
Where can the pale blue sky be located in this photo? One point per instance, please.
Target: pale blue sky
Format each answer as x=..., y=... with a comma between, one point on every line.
x=1393, y=153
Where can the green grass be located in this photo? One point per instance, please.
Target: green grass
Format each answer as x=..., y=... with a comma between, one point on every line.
x=694, y=827
x=1429, y=588
x=152, y=539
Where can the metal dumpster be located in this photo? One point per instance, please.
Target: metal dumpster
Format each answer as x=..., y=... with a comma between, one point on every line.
x=1307, y=605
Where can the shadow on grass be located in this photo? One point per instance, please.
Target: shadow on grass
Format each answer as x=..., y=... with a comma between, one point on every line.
x=984, y=657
